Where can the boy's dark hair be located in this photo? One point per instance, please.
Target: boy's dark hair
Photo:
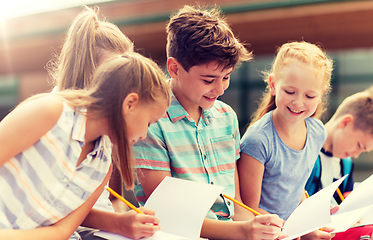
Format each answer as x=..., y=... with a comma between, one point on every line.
x=198, y=36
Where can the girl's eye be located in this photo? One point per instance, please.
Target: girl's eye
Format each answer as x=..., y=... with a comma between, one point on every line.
x=226, y=77
x=358, y=145
x=208, y=82
x=288, y=92
x=310, y=97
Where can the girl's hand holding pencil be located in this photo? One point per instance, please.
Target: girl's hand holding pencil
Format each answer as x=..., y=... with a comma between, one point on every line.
x=136, y=224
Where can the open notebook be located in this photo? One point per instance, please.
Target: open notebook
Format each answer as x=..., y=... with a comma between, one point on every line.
x=314, y=212
x=181, y=207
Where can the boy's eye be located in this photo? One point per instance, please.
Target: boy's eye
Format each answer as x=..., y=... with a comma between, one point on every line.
x=358, y=145
x=207, y=81
x=226, y=77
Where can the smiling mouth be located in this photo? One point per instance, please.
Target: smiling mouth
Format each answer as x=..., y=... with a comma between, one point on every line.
x=211, y=98
x=294, y=111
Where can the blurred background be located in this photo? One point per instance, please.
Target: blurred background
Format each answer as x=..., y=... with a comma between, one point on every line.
x=31, y=32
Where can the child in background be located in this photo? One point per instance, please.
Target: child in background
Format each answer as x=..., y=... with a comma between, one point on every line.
x=350, y=132
x=51, y=176
x=280, y=146
x=198, y=138
x=89, y=42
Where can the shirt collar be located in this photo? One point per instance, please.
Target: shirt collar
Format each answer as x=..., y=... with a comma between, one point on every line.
x=329, y=154
x=80, y=118
x=176, y=112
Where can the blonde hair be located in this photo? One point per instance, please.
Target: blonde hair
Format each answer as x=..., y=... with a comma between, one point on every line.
x=302, y=52
x=360, y=106
x=112, y=82
x=87, y=40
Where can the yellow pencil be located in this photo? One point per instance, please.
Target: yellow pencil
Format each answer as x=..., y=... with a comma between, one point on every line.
x=241, y=204
x=244, y=206
x=307, y=196
x=124, y=200
x=340, y=195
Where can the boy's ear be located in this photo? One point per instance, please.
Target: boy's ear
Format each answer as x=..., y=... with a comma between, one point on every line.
x=129, y=102
x=271, y=82
x=173, y=67
x=347, y=119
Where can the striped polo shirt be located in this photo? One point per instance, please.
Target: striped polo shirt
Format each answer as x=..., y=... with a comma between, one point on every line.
x=205, y=153
x=42, y=184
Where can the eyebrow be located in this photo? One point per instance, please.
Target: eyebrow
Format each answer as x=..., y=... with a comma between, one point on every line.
x=209, y=76
x=214, y=76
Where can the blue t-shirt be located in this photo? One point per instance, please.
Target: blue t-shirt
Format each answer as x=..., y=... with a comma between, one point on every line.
x=285, y=170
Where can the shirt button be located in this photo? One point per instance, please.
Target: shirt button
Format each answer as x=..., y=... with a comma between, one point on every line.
x=212, y=183
x=229, y=203
x=204, y=156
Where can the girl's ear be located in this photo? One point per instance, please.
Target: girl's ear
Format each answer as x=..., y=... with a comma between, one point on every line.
x=173, y=67
x=271, y=82
x=347, y=119
x=129, y=102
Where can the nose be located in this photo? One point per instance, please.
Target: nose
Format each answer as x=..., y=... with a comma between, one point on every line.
x=298, y=102
x=221, y=86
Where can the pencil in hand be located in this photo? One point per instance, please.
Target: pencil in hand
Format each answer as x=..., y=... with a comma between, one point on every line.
x=123, y=200
x=241, y=204
x=244, y=206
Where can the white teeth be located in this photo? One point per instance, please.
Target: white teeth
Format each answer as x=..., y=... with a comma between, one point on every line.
x=294, y=111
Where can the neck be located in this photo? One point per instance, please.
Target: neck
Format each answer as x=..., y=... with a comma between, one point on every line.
x=95, y=128
x=328, y=142
x=286, y=128
x=192, y=109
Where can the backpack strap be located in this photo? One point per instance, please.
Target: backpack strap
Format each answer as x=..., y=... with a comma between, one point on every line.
x=346, y=168
x=314, y=181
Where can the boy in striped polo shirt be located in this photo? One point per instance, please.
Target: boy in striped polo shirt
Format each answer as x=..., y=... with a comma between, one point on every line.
x=198, y=138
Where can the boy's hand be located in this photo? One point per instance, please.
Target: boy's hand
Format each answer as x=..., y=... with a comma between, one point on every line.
x=334, y=209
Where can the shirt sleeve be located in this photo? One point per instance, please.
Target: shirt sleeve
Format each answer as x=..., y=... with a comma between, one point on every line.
x=237, y=138
x=254, y=143
x=151, y=152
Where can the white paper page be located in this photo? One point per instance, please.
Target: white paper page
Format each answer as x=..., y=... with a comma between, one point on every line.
x=355, y=206
x=367, y=218
x=160, y=235
x=312, y=213
x=344, y=221
x=182, y=205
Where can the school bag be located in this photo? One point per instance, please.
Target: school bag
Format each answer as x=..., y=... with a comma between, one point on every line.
x=313, y=184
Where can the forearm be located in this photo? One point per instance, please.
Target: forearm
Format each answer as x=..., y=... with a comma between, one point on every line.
x=103, y=220
x=43, y=233
x=261, y=227
x=241, y=214
x=216, y=229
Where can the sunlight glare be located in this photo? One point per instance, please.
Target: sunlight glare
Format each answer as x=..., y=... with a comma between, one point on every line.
x=17, y=8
